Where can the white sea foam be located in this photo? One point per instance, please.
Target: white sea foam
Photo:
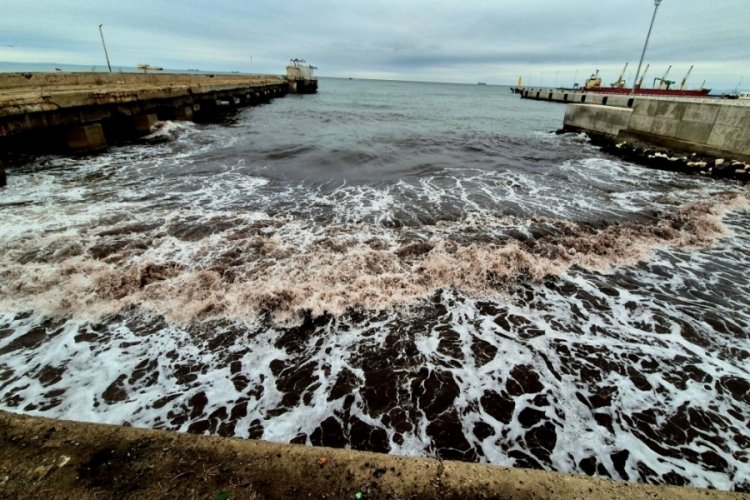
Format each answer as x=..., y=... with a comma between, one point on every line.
x=555, y=317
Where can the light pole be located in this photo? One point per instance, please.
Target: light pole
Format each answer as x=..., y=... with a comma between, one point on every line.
x=105, y=47
x=638, y=71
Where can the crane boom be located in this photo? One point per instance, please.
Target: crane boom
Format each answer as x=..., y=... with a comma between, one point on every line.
x=684, y=80
x=663, y=79
x=640, y=82
x=620, y=82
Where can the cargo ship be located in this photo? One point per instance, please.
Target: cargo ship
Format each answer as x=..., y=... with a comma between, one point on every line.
x=664, y=88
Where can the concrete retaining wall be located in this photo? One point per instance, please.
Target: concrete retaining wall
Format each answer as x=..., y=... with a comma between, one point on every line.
x=720, y=129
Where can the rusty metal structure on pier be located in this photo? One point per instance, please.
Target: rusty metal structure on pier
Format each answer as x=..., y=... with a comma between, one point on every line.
x=300, y=77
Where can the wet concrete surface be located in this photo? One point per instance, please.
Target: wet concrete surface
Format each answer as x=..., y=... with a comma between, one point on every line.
x=62, y=459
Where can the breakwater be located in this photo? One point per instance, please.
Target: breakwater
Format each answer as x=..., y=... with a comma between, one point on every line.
x=709, y=136
x=82, y=112
x=712, y=137
x=62, y=459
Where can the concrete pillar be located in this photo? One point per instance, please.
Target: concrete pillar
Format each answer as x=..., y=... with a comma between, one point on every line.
x=142, y=123
x=2, y=175
x=184, y=113
x=86, y=138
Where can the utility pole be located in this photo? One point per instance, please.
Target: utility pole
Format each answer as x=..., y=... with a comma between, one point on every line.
x=105, y=48
x=638, y=71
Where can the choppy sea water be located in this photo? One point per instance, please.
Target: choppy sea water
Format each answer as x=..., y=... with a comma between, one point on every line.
x=420, y=269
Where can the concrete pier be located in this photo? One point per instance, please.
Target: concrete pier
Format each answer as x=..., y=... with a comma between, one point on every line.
x=43, y=458
x=718, y=128
x=56, y=104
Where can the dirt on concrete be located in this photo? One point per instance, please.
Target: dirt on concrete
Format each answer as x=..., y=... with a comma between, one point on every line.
x=43, y=458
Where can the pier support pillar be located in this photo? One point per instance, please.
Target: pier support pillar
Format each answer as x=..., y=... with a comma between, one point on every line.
x=86, y=138
x=184, y=113
x=142, y=123
x=2, y=175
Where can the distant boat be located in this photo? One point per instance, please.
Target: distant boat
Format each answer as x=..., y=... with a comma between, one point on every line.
x=147, y=67
x=481, y=83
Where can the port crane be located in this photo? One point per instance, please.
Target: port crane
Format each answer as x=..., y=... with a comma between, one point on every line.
x=684, y=80
x=620, y=83
x=640, y=82
x=663, y=82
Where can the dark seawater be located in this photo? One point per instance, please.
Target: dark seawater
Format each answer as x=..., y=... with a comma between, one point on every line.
x=411, y=268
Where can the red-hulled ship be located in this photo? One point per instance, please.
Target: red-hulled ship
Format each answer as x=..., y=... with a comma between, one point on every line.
x=594, y=84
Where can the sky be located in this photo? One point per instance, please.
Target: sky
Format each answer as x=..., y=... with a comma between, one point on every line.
x=548, y=42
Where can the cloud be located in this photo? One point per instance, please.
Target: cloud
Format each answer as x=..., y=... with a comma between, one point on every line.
x=445, y=40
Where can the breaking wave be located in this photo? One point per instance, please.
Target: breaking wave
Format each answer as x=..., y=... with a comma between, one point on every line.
x=187, y=267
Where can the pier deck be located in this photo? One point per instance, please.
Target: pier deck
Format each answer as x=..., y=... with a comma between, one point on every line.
x=87, y=109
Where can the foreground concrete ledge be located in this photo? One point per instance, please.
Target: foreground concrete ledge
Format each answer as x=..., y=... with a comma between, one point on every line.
x=44, y=458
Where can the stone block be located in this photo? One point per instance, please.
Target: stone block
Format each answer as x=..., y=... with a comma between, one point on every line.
x=701, y=112
x=142, y=123
x=86, y=138
x=645, y=107
x=3, y=180
x=184, y=113
x=665, y=126
x=697, y=132
x=640, y=123
x=596, y=118
x=731, y=139
x=620, y=101
x=671, y=109
x=734, y=116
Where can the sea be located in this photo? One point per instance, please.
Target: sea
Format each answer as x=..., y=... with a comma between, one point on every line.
x=409, y=268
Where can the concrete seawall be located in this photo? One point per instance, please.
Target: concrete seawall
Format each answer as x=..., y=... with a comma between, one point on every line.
x=59, y=459
x=87, y=111
x=718, y=129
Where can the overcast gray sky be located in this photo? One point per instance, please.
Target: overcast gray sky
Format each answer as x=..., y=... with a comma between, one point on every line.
x=493, y=41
